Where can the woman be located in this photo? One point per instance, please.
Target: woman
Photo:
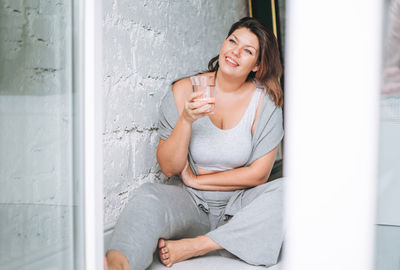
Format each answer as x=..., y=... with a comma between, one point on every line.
x=224, y=158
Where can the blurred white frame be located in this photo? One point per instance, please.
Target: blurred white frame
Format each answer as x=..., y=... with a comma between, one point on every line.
x=333, y=59
x=90, y=81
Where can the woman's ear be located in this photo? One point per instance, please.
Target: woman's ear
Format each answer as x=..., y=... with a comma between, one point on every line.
x=255, y=68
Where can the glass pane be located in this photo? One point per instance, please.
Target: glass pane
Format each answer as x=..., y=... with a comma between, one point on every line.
x=37, y=195
x=388, y=216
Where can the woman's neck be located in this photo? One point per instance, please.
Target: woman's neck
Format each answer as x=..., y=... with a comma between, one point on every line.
x=229, y=84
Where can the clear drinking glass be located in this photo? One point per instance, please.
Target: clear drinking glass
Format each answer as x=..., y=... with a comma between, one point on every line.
x=206, y=84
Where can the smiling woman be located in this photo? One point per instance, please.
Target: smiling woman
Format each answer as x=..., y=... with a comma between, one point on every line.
x=223, y=156
x=260, y=45
x=240, y=45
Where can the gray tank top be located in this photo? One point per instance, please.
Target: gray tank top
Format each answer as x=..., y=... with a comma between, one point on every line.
x=218, y=149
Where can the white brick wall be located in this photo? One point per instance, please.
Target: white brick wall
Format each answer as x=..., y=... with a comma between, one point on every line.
x=147, y=45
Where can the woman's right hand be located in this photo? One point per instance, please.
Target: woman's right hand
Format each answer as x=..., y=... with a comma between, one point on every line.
x=196, y=107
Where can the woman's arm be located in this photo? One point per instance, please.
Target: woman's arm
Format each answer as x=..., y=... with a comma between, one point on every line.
x=172, y=153
x=255, y=174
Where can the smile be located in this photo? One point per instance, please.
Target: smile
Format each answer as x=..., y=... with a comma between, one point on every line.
x=231, y=62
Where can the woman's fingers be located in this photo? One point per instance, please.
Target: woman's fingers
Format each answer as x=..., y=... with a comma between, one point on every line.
x=202, y=109
x=196, y=112
x=196, y=104
x=196, y=95
x=197, y=107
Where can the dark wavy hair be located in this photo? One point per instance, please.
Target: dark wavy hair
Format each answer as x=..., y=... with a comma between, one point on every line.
x=270, y=68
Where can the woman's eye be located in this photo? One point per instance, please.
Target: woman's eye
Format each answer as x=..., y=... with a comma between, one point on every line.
x=248, y=51
x=232, y=41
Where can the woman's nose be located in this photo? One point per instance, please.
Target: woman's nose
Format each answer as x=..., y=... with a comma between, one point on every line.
x=236, y=51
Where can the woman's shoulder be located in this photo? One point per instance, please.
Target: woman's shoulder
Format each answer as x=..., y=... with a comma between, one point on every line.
x=181, y=89
x=182, y=86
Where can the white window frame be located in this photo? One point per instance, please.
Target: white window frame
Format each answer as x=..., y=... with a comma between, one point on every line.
x=89, y=64
x=333, y=54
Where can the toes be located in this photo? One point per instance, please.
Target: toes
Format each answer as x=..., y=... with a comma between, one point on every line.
x=165, y=256
x=164, y=252
x=166, y=262
x=161, y=243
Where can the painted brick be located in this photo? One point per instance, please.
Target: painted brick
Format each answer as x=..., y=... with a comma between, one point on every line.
x=44, y=28
x=50, y=7
x=13, y=4
x=12, y=21
x=31, y=3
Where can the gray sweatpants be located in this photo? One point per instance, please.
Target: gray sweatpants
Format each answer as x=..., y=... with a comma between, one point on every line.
x=246, y=223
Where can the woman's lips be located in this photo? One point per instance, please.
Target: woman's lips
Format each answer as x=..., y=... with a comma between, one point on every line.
x=231, y=62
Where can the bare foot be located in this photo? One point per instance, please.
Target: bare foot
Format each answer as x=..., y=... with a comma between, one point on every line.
x=173, y=251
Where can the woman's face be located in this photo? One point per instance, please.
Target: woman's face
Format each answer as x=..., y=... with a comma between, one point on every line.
x=239, y=53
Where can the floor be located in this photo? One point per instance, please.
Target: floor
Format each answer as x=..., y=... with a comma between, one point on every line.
x=213, y=262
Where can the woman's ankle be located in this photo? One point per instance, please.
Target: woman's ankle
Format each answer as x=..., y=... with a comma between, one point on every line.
x=206, y=244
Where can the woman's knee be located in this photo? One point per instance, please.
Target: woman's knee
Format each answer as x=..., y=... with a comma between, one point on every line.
x=116, y=260
x=145, y=204
x=146, y=188
x=148, y=191
x=273, y=186
x=152, y=196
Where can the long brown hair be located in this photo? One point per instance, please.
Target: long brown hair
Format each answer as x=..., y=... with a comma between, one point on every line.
x=269, y=63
